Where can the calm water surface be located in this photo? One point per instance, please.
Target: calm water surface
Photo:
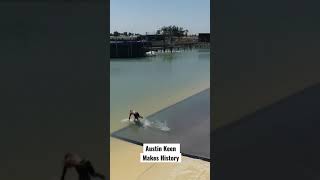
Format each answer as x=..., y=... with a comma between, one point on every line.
x=143, y=83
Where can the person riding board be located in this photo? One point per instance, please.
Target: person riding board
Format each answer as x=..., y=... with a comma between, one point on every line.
x=135, y=114
x=84, y=167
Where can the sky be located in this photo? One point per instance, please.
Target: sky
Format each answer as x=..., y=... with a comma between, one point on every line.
x=141, y=16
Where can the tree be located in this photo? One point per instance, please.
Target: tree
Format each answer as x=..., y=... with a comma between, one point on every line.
x=125, y=33
x=186, y=32
x=172, y=30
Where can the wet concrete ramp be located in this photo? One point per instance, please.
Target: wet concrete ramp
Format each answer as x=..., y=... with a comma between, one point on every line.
x=278, y=142
x=189, y=124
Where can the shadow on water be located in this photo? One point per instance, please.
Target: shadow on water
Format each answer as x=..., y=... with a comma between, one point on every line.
x=204, y=56
x=138, y=59
x=167, y=57
x=204, y=50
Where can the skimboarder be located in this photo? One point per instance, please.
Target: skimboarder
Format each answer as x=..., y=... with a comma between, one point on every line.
x=135, y=114
x=84, y=167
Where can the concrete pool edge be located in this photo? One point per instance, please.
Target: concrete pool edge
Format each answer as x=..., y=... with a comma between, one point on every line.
x=205, y=92
x=141, y=144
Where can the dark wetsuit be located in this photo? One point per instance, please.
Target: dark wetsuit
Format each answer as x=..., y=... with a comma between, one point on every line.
x=136, y=116
x=85, y=170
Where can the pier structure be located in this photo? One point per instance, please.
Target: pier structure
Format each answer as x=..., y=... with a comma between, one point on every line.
x=138, y=46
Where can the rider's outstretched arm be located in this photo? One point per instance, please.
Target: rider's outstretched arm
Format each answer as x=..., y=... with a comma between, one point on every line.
x=64, y=171
x=93, y=173
x=101, y=176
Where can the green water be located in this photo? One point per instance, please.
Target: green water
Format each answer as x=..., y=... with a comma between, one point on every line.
x=143, y=83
